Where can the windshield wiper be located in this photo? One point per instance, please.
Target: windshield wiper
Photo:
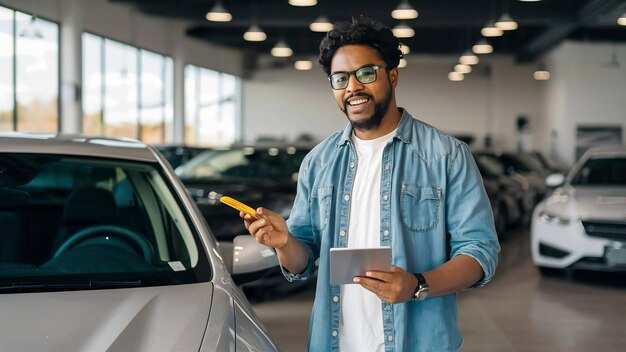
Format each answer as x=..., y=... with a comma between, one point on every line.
x=10, y=287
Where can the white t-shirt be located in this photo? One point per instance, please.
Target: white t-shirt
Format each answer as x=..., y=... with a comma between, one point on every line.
x=360, y=318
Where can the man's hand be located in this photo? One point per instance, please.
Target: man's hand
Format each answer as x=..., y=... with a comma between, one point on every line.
x=398, y=285
x=271, y=230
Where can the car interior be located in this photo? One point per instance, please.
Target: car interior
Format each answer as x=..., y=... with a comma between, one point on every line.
x=93, y=219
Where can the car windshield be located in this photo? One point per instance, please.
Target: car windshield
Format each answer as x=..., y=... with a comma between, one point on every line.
x=521, y=162
x=248, y=162
x=84, y=223
x=602, y=172
x=489, y=165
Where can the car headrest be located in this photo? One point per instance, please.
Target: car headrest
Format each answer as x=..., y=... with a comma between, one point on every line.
x=12, y=198
x=90, y=205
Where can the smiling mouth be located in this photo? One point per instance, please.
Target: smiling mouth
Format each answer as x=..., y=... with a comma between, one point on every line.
x=358, y=101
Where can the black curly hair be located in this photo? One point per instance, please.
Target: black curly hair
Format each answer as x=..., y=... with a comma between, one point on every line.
x=361, y=30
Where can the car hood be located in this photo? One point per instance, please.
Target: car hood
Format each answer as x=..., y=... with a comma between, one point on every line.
x=587, y=203
x=171, y=318
x=601, y=203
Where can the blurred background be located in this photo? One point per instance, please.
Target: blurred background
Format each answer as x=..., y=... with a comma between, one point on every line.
x=231, y=93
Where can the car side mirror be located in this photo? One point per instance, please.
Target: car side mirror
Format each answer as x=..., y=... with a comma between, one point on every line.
x=555, y=180
x=251, y=260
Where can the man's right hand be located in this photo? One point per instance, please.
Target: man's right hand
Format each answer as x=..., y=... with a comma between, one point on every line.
x=271, y=230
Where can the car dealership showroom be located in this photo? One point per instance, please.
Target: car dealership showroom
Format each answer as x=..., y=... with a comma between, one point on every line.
x=136, y=134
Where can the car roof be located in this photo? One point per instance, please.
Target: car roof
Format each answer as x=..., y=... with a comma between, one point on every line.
x=73, y=144
x=607, y=151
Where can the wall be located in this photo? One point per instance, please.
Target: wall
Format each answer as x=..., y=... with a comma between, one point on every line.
x=285, y=102
x=584, y=90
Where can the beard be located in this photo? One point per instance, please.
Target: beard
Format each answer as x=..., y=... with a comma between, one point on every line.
x=374, y=120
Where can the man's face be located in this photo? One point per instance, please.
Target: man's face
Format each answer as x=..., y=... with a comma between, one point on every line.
x=365, y=105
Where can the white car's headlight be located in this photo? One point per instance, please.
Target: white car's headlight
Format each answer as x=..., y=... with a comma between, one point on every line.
x=552, y=218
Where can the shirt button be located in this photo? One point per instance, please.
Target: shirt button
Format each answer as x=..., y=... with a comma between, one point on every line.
x=342, y=233
x=334, y=333
x=352, y=165
x=346, y=197
x=386, y=233
x=335, y=299
x=388, y=166
x=389, y=338
x=385, y=197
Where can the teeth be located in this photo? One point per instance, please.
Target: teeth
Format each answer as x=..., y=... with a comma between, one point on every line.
x=358, y=101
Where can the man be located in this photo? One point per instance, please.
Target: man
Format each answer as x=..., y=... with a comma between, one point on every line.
x=387, y=179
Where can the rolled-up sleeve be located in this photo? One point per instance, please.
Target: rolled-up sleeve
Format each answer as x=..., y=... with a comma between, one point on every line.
x=299, y=224
x=469, y=216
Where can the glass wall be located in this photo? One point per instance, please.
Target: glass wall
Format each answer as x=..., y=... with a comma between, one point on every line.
x=127, y=91
x=211, y=107
x=29, y=73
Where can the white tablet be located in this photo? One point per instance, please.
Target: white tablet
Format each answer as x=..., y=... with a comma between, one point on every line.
x=346, y=263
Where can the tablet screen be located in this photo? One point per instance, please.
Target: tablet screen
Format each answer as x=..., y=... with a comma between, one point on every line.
x=346, y=263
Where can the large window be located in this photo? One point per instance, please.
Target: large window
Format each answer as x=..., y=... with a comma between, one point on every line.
x=127, y=91
x=29, y=73
x=211, y=107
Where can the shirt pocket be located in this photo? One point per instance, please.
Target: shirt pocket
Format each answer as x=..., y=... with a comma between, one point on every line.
x=420, y=207
x=321, y=202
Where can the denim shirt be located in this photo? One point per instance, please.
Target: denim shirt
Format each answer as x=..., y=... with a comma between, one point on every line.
x=433, y=206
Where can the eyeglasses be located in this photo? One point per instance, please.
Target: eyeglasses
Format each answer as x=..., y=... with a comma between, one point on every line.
x=365, y=75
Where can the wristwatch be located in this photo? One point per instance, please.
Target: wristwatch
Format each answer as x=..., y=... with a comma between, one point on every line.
x=422, y=289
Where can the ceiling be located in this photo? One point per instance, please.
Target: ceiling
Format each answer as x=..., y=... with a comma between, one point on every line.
x=447, y=27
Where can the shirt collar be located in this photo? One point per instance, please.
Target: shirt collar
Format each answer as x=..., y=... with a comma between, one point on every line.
x=403, y=132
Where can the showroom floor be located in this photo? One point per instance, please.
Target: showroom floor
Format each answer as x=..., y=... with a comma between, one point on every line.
x=518, y=311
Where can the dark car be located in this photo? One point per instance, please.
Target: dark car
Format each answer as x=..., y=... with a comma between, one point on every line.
x=255, y=175
x=521, y=167
x=177, y=155
x=261, y=175
x=509, y=200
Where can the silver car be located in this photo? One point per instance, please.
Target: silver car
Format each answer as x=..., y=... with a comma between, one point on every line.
x=101, y=248
x=582, y=224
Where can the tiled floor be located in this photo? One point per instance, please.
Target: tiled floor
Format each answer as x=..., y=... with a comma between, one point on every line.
x=520, y=310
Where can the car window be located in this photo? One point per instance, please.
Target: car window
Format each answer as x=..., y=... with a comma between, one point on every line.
x=489, y=165
x=602, y=172
x=247, y=162
x=75, y=221
x=521, y=162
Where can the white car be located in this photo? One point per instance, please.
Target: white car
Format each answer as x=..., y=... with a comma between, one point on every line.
x=582, y=224
x=102, y=249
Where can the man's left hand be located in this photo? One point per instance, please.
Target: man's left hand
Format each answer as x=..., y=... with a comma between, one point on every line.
x=395, y=286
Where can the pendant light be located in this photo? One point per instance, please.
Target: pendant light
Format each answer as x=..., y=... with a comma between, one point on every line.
x=303, y=65
x=403, y=31
x=218, y=13
x=302, y=3
x=456, y=76
x=506, y=23
x=254, y=34
x=404, y=11
x=468, y=58
x=482, y=47
x=490, y=30
x=321, y=24
x=281, y=49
